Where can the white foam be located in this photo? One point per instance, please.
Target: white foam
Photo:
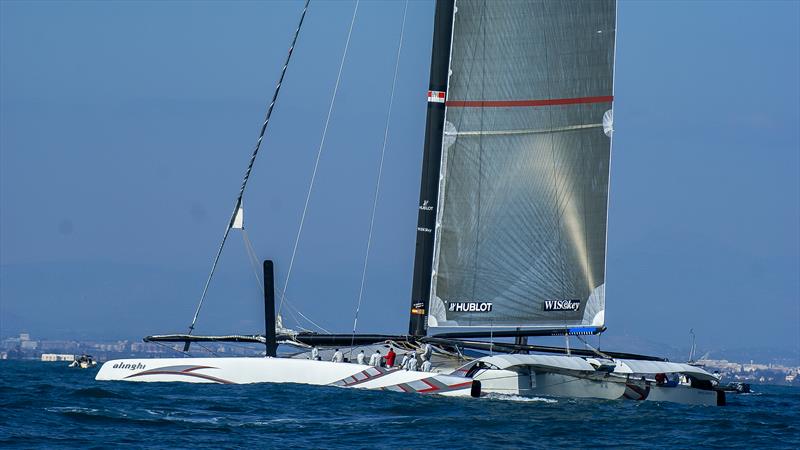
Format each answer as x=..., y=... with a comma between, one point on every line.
x=71, y=409
x=519, y=398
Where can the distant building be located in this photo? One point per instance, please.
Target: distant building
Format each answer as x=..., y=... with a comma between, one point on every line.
x=28, y=345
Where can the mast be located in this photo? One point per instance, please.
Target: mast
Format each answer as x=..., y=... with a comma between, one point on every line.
x=431, y=160
x=269, y=310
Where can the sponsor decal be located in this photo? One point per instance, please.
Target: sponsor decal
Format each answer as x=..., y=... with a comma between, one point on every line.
x=470, y=307
x=436, y=96
x=561, y=305
x=129, y=366
x=424, y=230
x=426, y=206
x=418, y=308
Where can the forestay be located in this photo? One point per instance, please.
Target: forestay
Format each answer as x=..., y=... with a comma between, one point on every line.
x=521, y=220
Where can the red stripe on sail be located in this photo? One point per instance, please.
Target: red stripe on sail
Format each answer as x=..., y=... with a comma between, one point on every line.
x=526, y=103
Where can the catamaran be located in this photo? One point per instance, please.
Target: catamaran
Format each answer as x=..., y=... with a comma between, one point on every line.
x=511, y=232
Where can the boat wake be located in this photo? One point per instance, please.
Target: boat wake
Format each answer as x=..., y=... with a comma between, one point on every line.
x=72, y=410
x=519, y=398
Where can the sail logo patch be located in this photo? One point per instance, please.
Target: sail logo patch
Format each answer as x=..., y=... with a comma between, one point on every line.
x=470, y=307
x=561, y=305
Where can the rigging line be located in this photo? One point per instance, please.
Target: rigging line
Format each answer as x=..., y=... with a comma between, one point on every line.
x=597, y=351
x=206, y=348
x=296, y=320
x=380, y=174
x=253, y=258
x=250, y=166
x=184, y=353
x=305, y=317
x=319, y=153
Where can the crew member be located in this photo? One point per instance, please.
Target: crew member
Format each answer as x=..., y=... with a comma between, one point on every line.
x=426, y=364
x=404, y=361
x=375, y=359
x=661, y=378
x=412, y=362
x=360, y=357
x=314, y=353
x=390, y=356
x=337, y=356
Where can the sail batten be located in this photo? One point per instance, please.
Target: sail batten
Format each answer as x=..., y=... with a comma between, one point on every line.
x=526, y=103
x=521, y=220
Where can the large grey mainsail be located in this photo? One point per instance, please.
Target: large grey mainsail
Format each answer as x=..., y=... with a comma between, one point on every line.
x=521, y=221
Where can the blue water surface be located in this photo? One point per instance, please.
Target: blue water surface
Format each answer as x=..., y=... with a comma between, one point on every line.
x=48, y=405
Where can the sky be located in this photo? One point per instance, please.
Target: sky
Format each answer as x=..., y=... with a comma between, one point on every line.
x=125, y=129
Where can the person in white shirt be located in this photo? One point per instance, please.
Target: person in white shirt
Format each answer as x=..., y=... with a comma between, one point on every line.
x=375, y=359
x=426, y=364
x=404, y=361
x=337, y=356
x=412, y=362
x=314, y=353
x=360, y=357
x=428, y=351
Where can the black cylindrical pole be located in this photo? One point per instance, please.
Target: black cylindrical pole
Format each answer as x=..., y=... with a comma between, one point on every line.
x=431, y=161
x=269, y=309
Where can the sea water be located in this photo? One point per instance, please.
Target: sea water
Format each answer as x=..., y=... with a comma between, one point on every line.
x=45, y=405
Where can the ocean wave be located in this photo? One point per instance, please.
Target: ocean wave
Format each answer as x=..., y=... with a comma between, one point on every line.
x=95, y=392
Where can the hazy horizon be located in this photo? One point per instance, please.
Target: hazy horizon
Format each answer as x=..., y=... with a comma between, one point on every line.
x=125, y=129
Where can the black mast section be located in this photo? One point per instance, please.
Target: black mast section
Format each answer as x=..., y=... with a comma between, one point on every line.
x=269, y=310
x=431, y=161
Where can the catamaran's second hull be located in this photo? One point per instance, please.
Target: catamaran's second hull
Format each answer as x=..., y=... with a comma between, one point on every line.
x=547, y=384
x=284, y=370
x=576, y=377
x=544, y=384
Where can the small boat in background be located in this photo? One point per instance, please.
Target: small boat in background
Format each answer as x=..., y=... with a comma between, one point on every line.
x=83, y=362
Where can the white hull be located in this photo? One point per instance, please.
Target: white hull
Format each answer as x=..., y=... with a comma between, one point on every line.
x=282, y=370
x=575, y=377
x=544, y=384
x=681, y=394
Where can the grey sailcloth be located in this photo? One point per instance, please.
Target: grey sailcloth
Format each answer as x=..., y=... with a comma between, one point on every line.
x=521, y=223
